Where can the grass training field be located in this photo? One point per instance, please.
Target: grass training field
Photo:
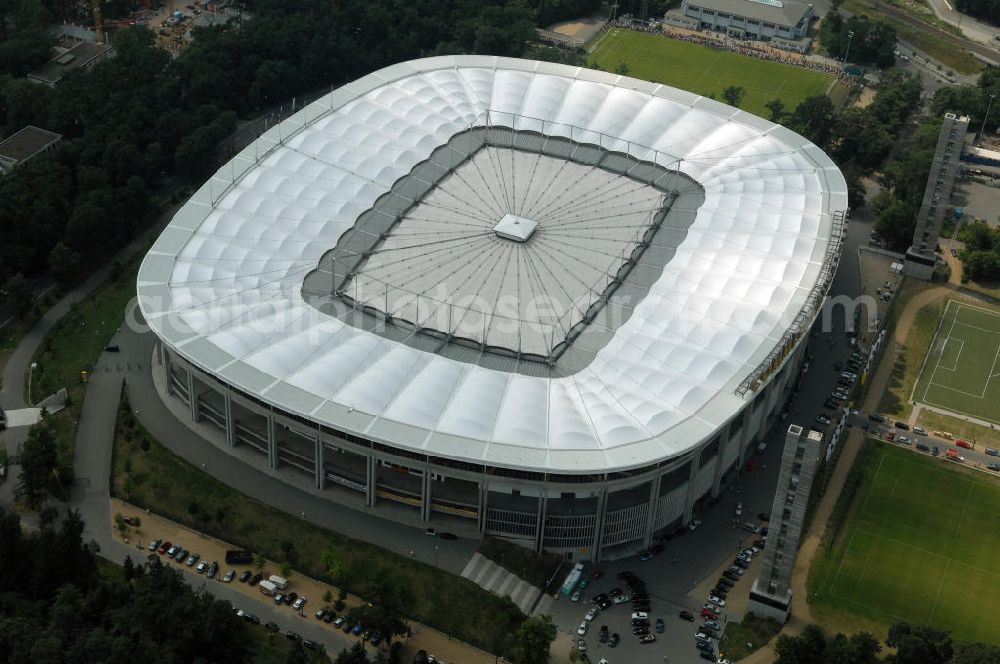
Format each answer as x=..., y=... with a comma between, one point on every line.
x=962, y=371
x=919, y=544
x=704, y=70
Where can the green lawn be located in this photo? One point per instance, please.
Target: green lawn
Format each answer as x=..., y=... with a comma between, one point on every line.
x=706, y=70
x=910, y=358
x=918, y=545
x=961, y=372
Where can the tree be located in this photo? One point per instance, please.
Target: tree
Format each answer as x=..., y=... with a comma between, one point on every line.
x=65, y=264
x=355, y=655
x=532, y=641
x=38, y=461
x=327, y=598
x=808, y=647
x=297, y=655
x=285, y=570
x=19, y=293
x=896, y=223
x=776, y=108
x=388, y=598
x=733, y=95
x=813, y=118
x=919, y=644
x=260, y=561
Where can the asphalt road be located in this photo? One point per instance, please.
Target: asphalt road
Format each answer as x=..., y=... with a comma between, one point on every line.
x=976, y=457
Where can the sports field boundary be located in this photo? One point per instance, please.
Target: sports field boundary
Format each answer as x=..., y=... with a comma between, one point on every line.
x=941, y=361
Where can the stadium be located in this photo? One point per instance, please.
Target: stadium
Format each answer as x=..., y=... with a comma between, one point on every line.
x=499, y=296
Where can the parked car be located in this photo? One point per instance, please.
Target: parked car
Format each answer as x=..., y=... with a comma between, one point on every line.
x=613, y=641
x=164, y=547
x=272, y=627
x=245, y=576
x=715, y=599
x=645, y=555
x=181, y=555
x=357, y=629
x=963, y=443
x=230, y=575
x=329, y=617
x=338, y=621
x=376, y=638
x=694, y=524
x=292, y=636
x=213, y=569
x=822, y=419
x=202, y=566
x=923, y=448
x=154, y=545
x=172, y=550
x=299, y=603
x=192, y=559
x=647, y=638
x=901, y=425
x=712, y=624
x=992, y=451
x=686, y=615
x=660, y=626
x=575, y=597
x=920, y=431
x=993, y=466
x=581, y=645
x=311, y=645
x=603, y=635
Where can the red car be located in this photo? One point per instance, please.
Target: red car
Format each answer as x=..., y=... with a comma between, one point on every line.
x=163, y=547
x=705, y=613
x=963, y=443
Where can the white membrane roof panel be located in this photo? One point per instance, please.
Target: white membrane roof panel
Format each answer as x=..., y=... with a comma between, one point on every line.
x=224, y=285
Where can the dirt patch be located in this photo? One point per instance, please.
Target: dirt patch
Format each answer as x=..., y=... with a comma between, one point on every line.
x=581, y=28
x=866, y=98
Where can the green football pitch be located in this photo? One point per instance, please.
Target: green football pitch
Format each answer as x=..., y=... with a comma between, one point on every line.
x=704, y=70
x=919, y=545
x=962, y=369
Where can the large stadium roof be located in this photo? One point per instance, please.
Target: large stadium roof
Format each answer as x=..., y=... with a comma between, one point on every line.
x=719, y=287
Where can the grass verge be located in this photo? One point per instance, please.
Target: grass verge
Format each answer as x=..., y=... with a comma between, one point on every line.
x=900, y=556
x=147, y=474
x=910, y=358
x=969, y=431
x=746, y=637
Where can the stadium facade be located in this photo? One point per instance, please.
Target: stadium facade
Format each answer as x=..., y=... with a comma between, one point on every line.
x=500, y=296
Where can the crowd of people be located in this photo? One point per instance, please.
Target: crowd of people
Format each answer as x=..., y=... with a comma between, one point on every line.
x=754, y=49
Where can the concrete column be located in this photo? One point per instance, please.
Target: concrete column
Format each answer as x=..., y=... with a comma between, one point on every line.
x=166, y=373
x=602, y=505
x=484, y=495
x=654, y=500
x=227, y=401
x=689, y=498
x=272, y=442
x=725, y=443
x=320, y=472
x=192, y=396
x=372, y=475
x=543, y=504
x=425, y=495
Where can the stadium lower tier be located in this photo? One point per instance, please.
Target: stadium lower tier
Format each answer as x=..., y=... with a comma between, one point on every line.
x=585, y=517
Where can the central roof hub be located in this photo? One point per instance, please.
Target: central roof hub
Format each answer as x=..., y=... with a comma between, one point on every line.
x=513, y=227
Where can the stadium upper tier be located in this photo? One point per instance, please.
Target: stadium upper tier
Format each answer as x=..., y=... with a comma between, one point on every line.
x=504, y=261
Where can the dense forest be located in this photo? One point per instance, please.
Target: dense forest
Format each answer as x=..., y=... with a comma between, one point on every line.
x=859, y=39
x=55, y=607
x=141, y=124
x=987, y=10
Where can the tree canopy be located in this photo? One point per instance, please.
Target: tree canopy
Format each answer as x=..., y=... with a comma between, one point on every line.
x=859, y=39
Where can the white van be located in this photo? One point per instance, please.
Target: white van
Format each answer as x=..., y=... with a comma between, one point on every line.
x=267, y=587
x=279, y=582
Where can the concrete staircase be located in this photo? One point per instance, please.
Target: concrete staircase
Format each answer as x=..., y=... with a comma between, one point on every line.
x=488, y=575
